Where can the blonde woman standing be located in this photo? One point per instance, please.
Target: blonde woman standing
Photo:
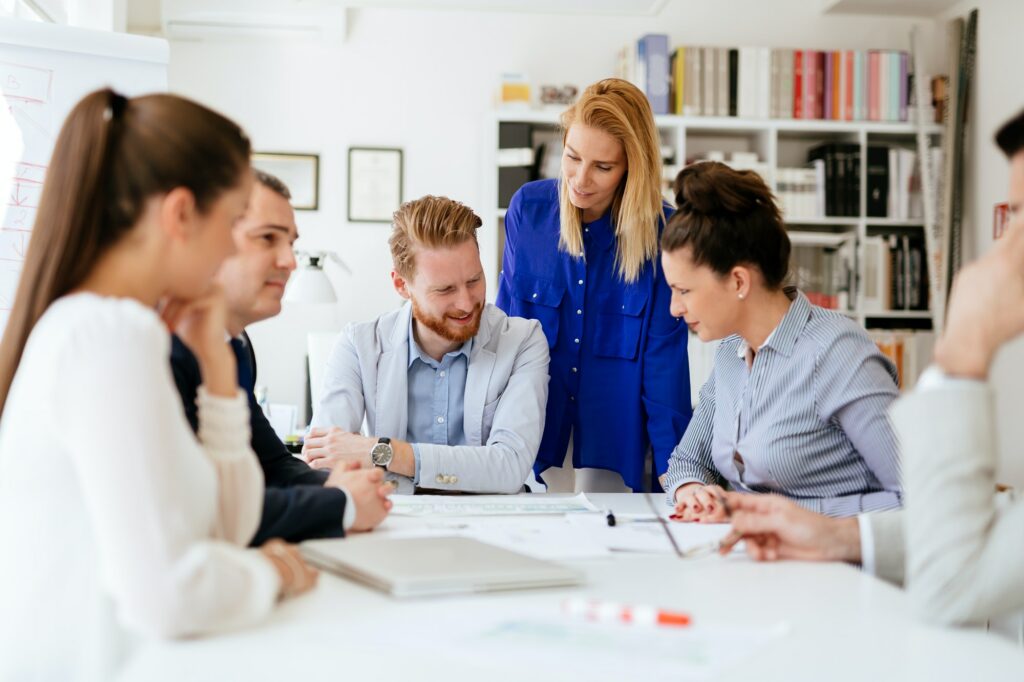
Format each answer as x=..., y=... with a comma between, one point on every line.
x=581, y=256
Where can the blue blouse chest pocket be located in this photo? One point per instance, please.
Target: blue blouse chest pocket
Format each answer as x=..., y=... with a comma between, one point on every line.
x=538, y=299
x=620, y=321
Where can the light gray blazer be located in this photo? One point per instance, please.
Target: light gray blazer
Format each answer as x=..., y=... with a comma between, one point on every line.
x=887, y=542
x=506, y=395
x=965, y=554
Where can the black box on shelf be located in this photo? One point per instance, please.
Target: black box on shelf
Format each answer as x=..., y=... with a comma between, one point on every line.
x=515, y=135
x=510, y=179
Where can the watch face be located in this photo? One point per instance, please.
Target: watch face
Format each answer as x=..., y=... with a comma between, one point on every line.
x=381, y=454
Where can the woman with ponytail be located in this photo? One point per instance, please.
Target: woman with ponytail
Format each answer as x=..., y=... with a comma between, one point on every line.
x=797, y=402
x=581, y=256
x=115, y=521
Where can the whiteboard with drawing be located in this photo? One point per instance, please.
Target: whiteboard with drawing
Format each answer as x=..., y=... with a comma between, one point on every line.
x=44, y=70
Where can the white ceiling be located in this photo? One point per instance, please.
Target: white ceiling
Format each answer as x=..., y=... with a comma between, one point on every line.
x=147, y=13
x=899, y=8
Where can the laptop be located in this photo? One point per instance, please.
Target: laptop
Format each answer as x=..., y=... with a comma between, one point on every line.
x=425, y=567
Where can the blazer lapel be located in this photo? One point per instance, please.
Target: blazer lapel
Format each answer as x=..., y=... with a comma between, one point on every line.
x=478, y=378
x=392, y=404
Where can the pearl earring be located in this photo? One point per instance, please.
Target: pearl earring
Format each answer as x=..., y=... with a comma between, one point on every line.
x=741, y=297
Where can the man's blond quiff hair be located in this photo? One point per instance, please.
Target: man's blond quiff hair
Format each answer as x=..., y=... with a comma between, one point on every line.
x=429, y=222
x=620, y=109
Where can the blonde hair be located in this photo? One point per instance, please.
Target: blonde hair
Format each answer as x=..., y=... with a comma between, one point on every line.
x=429, y=222
x=618, y=108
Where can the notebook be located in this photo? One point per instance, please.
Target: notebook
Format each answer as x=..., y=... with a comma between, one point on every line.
x=423, y=567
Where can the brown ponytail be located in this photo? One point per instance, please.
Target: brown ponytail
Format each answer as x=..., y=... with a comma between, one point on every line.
x=112, y=155
x=728, y=218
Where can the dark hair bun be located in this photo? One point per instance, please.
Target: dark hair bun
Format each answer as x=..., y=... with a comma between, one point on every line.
x=727, y=218
x=712, y=188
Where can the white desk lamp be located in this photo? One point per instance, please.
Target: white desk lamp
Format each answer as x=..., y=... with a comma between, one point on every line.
x=311, y=284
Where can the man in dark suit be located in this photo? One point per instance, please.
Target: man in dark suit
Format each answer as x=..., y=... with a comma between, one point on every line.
x=299, y=502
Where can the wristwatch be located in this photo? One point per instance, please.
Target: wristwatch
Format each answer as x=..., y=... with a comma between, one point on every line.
x=381, y=453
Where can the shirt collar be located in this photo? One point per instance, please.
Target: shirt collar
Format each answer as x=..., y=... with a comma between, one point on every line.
x=417, y=353
x=783, y=337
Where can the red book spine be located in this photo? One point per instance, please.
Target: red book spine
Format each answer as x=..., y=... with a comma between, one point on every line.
x=819, y=89
x=873, y=85
x=837, y=112
x=798, y=93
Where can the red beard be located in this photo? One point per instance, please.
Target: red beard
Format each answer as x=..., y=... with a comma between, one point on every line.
x=440, y=326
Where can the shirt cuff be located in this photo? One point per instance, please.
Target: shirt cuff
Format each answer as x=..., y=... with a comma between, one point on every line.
x=867, y=544
x=934, y=378
x=416, y=457
x=350, y=509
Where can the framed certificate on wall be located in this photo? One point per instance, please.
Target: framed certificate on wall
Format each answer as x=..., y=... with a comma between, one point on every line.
x=374, y=184
x=299, y=172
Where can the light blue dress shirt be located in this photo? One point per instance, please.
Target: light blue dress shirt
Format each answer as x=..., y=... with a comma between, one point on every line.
x=436, y=397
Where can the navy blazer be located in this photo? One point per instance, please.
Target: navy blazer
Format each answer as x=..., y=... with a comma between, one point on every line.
x=296, y=505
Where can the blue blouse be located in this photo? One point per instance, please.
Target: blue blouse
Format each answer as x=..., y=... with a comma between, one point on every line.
x=620, y=377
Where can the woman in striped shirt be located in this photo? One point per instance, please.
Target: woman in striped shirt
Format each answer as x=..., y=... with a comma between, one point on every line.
x=798, y=399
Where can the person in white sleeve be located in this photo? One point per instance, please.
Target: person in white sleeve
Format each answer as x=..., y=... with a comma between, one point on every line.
x=117, y=523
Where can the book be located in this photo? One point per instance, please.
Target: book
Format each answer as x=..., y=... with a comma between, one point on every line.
x=776, y=86
x=653, y=70
x=691, y=82
x=819, y=86
x=827, y=84
x=747, y=82
x=877, y=181
x=734, y=65
x=722, y=84
x=708, y=79
x=848, y=89
x=904, y=94
x=860, y=86
x=786, y=84
x=678, y=79
x=798, y=83
x=873, y=75
x=875, y=290
x=764, y=82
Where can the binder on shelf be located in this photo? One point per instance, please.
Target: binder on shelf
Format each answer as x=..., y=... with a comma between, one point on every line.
x=722, y=90
x=678, y=79
x=786, y=85
x=653, y=70
x=877, y=181
x=692, y=82
x=798, y=84
x=734, y=66
x=708, y=79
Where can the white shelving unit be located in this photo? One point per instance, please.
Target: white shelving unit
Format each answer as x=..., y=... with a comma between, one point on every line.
x=779, y=143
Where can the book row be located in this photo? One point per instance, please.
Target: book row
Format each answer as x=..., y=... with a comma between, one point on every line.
x=760, y=82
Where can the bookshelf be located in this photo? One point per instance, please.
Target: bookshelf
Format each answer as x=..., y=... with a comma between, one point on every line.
x=778, y=144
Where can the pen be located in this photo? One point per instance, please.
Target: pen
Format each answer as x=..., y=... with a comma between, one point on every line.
x=616, y=521
x=599, y=611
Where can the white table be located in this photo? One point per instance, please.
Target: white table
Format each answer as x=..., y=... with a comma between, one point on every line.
x=843, y=625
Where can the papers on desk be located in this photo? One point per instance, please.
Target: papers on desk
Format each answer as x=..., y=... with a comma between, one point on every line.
x=567, y=537
x=642, y=533
x=551, y=539
x=488, y=505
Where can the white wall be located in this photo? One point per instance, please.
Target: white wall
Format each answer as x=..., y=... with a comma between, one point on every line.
x=424, y=81
x=999, y=95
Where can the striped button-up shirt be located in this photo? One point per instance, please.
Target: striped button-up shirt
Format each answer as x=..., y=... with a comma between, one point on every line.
x=808, y=418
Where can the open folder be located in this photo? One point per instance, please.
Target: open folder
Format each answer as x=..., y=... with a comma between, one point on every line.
x=421, y=567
